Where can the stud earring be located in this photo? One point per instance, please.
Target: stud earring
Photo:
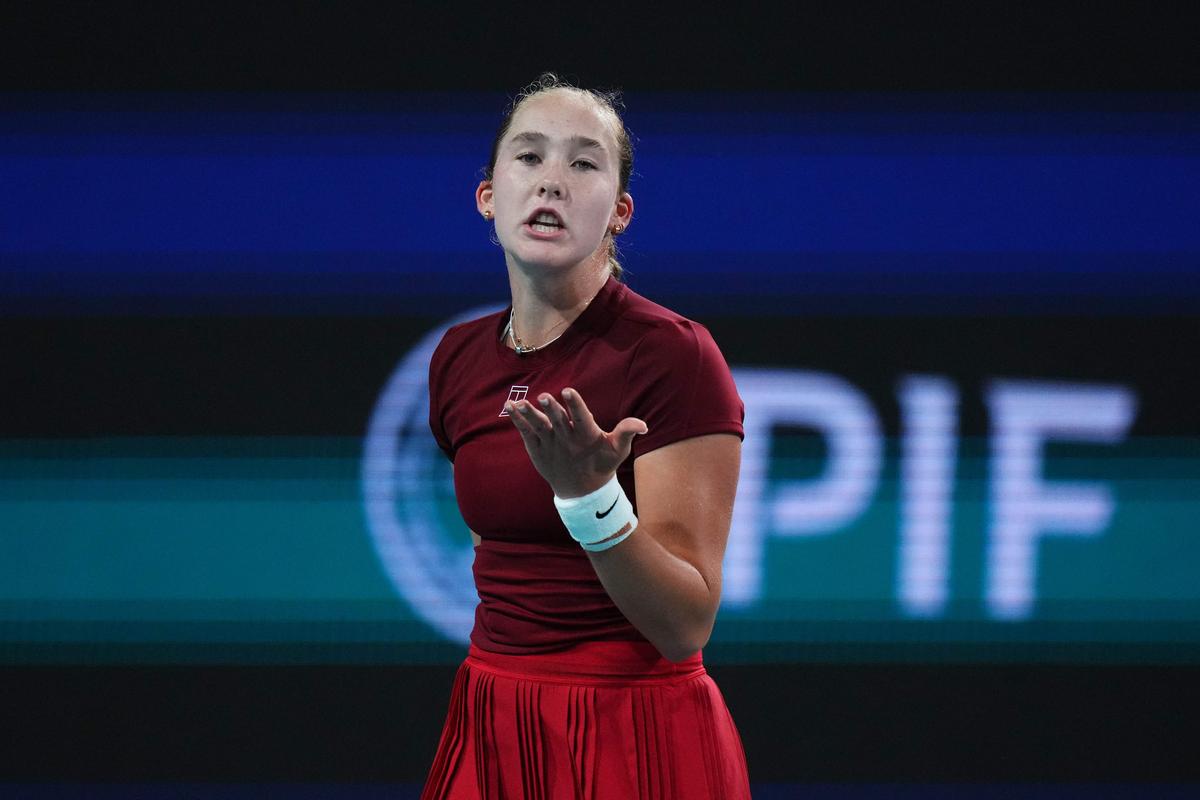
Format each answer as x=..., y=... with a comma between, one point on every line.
x=487, y=215
x=618, y=228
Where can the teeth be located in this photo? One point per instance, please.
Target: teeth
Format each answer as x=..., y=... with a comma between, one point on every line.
x=546, y=218
x=543, y=228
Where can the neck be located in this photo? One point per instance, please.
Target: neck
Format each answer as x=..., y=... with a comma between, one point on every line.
x=544, y=306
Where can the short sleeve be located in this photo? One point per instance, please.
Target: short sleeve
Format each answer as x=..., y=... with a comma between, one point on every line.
x=681, y=387
x=437, y=375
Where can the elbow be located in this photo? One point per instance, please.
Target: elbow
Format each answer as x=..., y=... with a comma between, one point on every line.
x=685, y=644
x=678, y=654
x=681, y=651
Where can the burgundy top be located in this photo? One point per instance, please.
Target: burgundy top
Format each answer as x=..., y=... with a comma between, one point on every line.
x=627, y=357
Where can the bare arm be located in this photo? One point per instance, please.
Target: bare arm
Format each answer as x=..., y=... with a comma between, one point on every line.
x=666, y=578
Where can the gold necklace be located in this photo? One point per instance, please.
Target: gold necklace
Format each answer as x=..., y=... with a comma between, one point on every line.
x=520, y=347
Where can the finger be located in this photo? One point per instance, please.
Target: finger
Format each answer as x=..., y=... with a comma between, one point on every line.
x=522, y=425
x=578, y=409
x=556, y=413
x=625, y=430
x=536, y=419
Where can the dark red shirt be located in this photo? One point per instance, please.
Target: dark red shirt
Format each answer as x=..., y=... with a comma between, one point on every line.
x=627, y=357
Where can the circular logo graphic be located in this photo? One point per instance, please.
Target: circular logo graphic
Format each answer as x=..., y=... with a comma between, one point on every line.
x=408, y=492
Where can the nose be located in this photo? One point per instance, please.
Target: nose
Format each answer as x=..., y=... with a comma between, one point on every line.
x=551, y=180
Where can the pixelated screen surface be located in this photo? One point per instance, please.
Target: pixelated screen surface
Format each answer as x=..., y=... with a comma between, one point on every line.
x=963, y=327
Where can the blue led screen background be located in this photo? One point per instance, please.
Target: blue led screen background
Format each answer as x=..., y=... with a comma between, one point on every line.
x=963, y=326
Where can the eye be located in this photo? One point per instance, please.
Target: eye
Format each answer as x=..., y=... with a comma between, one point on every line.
x=528, y=158
x=582, y=164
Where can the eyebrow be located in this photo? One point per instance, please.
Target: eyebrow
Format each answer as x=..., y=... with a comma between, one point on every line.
x=534, y=137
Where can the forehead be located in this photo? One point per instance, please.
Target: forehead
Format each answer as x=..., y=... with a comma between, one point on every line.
x=561, y=113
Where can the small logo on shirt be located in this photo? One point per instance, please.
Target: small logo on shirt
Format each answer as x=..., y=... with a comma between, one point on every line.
x=515, y=395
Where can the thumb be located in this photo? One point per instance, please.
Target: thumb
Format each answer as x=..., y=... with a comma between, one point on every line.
x=627, y=429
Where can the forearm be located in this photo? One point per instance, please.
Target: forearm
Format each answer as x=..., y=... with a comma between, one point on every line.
x=664, y=596
x=687, y=489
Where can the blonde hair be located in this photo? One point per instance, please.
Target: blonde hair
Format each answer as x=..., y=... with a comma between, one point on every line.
x=609, y=101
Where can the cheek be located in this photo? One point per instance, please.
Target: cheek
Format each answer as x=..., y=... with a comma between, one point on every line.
x=505, y=185
x=603, y=205
x=508, y=206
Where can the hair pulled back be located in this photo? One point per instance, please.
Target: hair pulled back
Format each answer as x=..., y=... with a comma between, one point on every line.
x=610, y=102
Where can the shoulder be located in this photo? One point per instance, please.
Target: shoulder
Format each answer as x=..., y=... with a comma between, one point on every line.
x=462, y=351
x=642, y=310
x=467, y=334
x=664, y=334
x=472, y=329
x=678, y=381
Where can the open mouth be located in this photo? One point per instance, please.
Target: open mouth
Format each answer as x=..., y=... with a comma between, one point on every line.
x=545, y=222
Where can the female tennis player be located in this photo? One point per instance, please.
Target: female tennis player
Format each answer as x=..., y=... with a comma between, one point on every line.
x=595, y=438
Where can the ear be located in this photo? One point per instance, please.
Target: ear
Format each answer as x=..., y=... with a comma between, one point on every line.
x=622, y=211
x=483, y=197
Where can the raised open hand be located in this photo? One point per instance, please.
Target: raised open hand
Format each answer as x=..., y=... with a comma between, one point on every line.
x=566, y=445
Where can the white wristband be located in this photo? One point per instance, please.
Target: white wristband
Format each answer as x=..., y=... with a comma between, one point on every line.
x=598, y=520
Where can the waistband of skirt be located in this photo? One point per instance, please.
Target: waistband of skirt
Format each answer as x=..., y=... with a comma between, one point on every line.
x=591, y=663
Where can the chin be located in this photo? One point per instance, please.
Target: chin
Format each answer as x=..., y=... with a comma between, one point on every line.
x=543, y=262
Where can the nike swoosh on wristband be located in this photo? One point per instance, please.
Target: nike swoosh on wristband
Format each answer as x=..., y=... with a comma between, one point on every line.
x=610, y=508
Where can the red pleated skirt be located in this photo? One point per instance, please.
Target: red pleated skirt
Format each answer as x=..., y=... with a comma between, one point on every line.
x=601, y=721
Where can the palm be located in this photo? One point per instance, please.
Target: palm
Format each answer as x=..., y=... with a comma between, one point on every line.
x=567, y=447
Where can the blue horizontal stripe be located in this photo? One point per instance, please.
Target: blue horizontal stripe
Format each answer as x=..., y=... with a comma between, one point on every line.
x=759, y=204
x=231, y=197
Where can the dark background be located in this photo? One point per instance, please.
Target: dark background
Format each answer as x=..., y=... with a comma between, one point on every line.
x=804, y=723
x=844, y=46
